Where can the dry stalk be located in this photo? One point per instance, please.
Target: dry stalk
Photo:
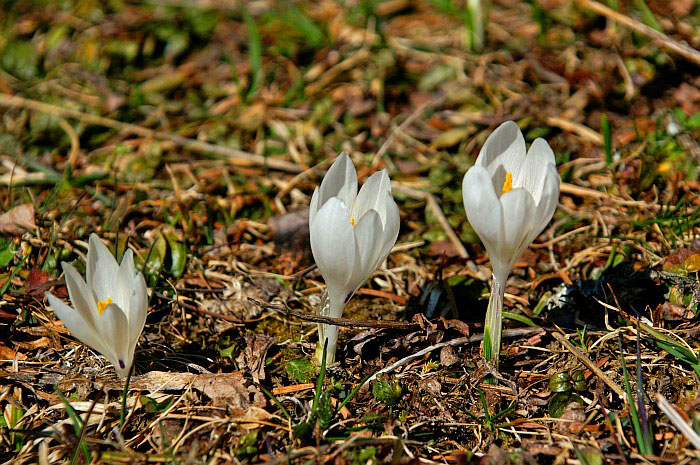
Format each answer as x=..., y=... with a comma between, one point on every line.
x=662, y=39
x=236, y=157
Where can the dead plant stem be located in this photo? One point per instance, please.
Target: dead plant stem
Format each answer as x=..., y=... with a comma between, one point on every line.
x=236, y=157
x=662, y=39
x=589, y=364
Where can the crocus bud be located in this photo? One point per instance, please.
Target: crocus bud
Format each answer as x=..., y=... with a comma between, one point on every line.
x=351, y=235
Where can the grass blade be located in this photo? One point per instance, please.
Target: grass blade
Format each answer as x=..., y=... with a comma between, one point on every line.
x=77, y=426
x=641, y=442
x=607, y=139
x=254, y=53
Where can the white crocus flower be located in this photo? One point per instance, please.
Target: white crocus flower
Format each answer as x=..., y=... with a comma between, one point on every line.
x=509, y=198
x=109, y=309
x=351, y=235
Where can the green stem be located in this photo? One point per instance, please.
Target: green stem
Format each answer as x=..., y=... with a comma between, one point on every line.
x=328, y=334
x=124, y=396
x=494, y=321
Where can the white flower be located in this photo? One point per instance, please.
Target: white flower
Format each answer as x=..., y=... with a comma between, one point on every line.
x=510, y=196
x=110, y=309
x=351, y=234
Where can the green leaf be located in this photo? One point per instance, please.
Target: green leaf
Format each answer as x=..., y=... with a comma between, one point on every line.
x=312, y=33
x=386, y=392
x=648, y=17
x=521, y=318
x=153, y=406
x=326, y=412
x=248, y=445
x=300, y=370
x=20, y=59
x=156, y=258
x=488, y=350
x=6, y=252
x=228, y=351
x=178, y=255
x=558, y=402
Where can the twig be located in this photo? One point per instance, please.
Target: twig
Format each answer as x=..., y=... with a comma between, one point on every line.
x=589, y=363
x=560, y=237
x=437, y=211
x=515, y=332
x=344, y=322
x=203, y=311
x=577, y=128
x=680, y=48
x=297, y=179
x=235, y=156
x=678, y=420
x=407, y=122
x=567, y=188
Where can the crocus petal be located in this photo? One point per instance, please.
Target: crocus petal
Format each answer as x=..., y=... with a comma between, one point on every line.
x=82, y=297
x=340, y=181
x=102, y=269
x=505, y=148
x=368, y=245
x=74, y=322
x=483, y=209
x=313, y=207
x=518, y=211
x=138, y=308
x=333, y=245
x=533, y=170
x=548, y=202
x=391, y=227
x=125, y=281
x=114, y=328
x=372, y=195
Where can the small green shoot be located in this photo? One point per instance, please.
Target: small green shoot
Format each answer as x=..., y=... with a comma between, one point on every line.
x=10, y=419
x=520, y=318
x=153, y=406
x=607, y=139
x=643, y=441
x=584, y=340
x=387, y=392
x=254, y=54
x=5, y=286
x=647, y=16
x=490, y=420
x=275, y=401
x=77, y=427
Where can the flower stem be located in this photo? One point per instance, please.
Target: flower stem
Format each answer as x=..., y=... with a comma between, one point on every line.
x=493, y=325
x=124, y=396
x=328, y=334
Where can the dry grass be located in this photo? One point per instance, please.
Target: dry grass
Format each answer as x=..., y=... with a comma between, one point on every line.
x=195, y=132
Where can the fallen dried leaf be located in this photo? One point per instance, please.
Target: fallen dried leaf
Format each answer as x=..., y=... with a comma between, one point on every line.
x=254, y=354
x=18, y=220
x=224, y=389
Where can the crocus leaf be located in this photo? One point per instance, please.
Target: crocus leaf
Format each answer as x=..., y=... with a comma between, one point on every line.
x=178, y=255
x=156, y=257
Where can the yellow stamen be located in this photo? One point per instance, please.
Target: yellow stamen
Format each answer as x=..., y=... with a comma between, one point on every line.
x=101, y=306
x=352, y=221
x=508, y=185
